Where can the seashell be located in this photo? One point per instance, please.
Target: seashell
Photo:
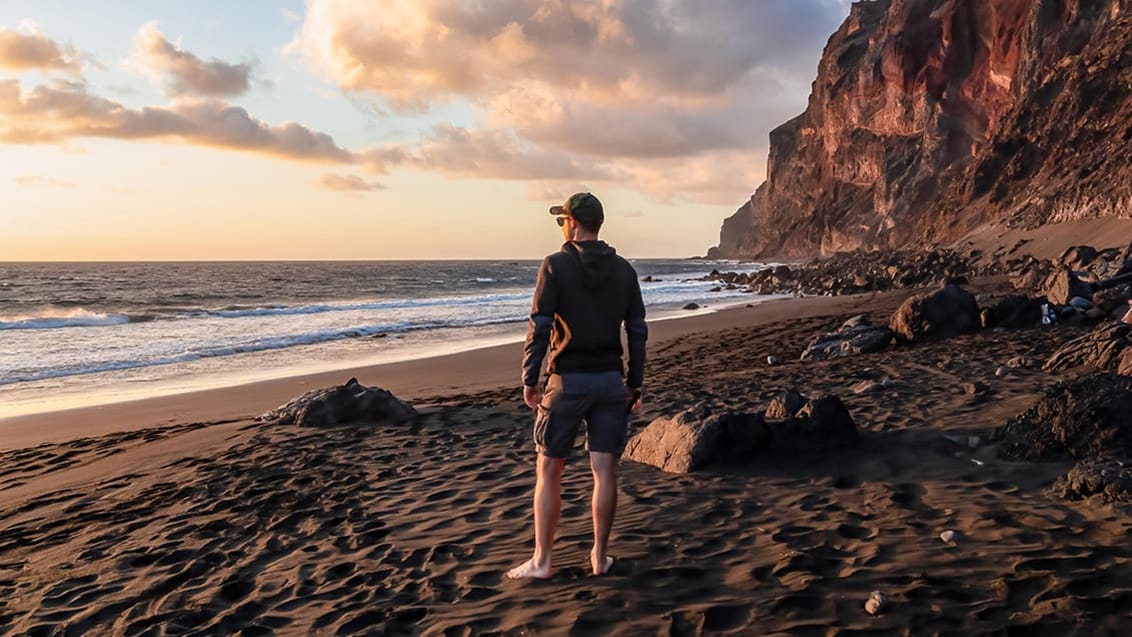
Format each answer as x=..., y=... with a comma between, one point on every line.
x=877, y=603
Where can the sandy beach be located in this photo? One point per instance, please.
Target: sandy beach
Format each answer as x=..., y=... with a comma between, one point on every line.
x=182, y=515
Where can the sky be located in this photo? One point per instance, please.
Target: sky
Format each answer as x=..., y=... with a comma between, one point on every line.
x=388, y=129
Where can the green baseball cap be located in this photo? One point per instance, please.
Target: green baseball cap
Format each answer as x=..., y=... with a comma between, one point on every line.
x=582, y=206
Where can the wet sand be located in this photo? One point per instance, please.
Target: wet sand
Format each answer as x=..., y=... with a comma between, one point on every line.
x=180, y=515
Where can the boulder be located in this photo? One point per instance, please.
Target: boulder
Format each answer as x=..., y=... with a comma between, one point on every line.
x=948, y=311
x=1078, y=257
x=1017, y=311
x=696, y=438
x=1110, y=299
x=1087, y=417
x=1061, y=285
x=855, y=336
x=1110, y=478
x=1125, y=366
x=1100, y=348
x=786, y=405
x=821, y=424
x=342, y=404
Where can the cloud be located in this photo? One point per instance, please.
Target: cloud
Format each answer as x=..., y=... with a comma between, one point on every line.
x=499, y=154
x=665, y=97
x=347, y=183
x=412, y=52
x=183, y=72
x=62, y=111
x=48, y=182
x=28, y=51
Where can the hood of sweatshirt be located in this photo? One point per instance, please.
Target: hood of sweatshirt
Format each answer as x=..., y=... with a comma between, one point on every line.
x=596, y=259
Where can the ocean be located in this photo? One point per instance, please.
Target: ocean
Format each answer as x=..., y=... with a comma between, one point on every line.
x=74, y=334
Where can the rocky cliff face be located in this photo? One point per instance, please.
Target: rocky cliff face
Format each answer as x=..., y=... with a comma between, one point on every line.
x=932, y=118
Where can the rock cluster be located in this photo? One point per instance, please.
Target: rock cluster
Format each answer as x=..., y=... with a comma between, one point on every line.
x=854, y=272
x=1087, y=417
x=1102, y=349
x=1109, y=478
x=697, y=438
x=351, y=402
x=856, y=336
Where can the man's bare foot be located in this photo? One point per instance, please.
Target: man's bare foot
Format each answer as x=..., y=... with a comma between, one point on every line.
x=528, y=570
x=601, y=568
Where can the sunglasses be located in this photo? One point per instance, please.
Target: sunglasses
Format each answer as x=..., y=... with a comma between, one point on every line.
x=561, y=220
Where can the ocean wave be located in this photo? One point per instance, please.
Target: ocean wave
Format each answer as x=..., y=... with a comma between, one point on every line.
x=57, y=318
x=255, y=345
x=319, y=308
x=80, y=317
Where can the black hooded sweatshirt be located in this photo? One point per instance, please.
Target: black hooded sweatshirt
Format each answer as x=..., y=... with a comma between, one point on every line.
x=583, y=295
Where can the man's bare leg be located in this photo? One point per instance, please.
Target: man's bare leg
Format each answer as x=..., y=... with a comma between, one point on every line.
x=604, y=467
x=548, y=505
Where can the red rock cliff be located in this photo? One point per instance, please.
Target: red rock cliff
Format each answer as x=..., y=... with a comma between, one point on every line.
x=930, y=118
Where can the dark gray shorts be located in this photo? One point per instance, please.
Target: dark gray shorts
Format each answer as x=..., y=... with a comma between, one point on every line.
x=599, y=399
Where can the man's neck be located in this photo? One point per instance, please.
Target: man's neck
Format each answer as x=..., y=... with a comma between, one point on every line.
x=585, y=236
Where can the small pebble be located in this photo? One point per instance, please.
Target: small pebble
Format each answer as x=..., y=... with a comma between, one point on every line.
x=949, y=537
x=772, y=360
x=877, y=603
x=1000, y=372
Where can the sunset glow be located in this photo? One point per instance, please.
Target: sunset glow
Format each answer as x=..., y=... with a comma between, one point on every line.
x=387, y=130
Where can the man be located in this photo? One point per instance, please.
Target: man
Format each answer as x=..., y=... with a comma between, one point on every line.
x=583, y=295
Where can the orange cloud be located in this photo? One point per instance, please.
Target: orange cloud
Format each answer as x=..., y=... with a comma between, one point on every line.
x=63, y=111
x=655, y=96
x=38, y=180
x=27, y=51
x=463, y=152
x=347, y=183
x=183, y=72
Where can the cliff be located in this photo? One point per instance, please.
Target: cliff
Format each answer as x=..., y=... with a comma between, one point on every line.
x=930, y=119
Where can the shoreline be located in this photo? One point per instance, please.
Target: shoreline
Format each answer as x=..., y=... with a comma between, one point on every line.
x=430, y=378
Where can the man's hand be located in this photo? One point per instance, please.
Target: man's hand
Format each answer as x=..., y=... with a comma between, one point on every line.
x=532, y=395
x=633, y=399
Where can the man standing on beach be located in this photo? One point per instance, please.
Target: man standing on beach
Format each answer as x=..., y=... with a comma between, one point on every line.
x=584, y=294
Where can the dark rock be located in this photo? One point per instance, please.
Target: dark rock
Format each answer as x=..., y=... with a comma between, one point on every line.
x=820, y=425
x=949, y=311
x=342, y=404
x=1018, y=362
x=1088, y=417
x=1016, y=311
x=696, y=438
x=1110, y=478
x=1100, y=348
x=1061, y=285
x=786, y=405
x=977, y=387
x=1110, y=299
x=692, y=306
x=1080, y=303
x=1125, y=366
x=1078, y=257
x=855, y=336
